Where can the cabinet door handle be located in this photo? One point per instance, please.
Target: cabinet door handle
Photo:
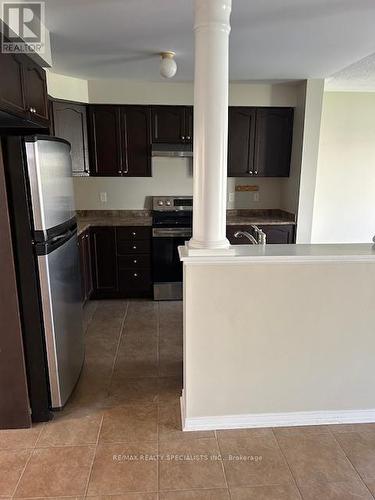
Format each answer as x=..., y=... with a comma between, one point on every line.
x=188, y=137
x=250, y=172
x=134, y=247
x=135, y=275
x=256, y=172
x=134, y=234
x=126, y=171
x=183, y=137
x=119, y=171
x=134, y=261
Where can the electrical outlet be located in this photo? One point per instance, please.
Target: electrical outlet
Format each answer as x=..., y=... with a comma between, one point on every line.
x=103, y=197
x=231, y=197
x=246, y=187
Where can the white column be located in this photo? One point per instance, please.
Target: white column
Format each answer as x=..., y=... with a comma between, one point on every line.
x=211, y=83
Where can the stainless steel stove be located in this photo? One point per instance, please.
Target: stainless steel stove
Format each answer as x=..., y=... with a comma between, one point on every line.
x=172, y=219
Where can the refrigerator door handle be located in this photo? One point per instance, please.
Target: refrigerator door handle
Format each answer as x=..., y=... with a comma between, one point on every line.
x=64, y=236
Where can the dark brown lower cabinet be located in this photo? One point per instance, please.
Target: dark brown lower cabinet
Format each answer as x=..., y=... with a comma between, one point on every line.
x=276, y=234
x=121, y=262
x=279, y=234
x=134, y=261
x=84, y=243
x=104, y=262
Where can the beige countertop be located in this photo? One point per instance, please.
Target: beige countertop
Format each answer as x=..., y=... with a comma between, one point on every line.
x=89, y=218
x=245, y=217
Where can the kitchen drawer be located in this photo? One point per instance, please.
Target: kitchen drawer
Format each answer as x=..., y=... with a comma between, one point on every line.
x=133, y=233
x=135, y=283
x=125, y=247
x=134, y=262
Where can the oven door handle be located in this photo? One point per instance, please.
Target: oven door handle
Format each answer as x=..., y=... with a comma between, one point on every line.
x=167, y=232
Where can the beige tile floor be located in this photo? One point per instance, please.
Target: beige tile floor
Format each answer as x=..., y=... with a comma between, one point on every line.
x=125, y=412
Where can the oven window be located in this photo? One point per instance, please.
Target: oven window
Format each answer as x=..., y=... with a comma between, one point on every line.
x=166, y=262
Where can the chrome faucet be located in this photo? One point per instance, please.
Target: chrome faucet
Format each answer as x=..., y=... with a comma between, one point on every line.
x=261, y=238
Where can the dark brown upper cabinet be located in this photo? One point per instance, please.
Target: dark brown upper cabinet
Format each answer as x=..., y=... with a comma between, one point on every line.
x=36, y=91
x=241, y=141
x=135, y=141
x=259, y=141
x=23, y=89
x=12, y=88
x=189, y=124
x=106, y=159
x=172, y=124
x=70, y=123
x=119, y=138
x=273, y=143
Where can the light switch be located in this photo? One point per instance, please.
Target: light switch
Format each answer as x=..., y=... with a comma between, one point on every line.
x=103, y=197
x=231, y=197
x=256, y=196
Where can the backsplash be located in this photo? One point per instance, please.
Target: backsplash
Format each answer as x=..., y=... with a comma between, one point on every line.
x=171, y=176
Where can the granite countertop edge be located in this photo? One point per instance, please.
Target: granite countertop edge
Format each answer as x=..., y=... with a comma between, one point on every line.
x=124, y=218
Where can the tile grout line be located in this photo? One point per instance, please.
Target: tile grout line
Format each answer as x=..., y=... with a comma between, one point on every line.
x=93, y=458
x=190, y=490
x=222, y=465
x=158, y=402
x=287, y=463
x=121, y=335
x=96, y=307
x=22, y=473
x=91, y=317
x=32, y=449
x=352, y=465
x=158, y=336
x=43, y=426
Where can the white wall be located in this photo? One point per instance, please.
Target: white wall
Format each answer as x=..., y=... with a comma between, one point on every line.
x=344, y=208
x=67, y=87
x=309, y=159
x=170, y=176
x=290, y=185
x=281, y=337
x=240, y=94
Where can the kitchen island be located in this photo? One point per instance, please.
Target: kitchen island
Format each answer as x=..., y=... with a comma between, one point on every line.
x=290, y=334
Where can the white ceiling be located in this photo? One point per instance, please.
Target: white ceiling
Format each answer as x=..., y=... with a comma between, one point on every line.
x=358, y=77
x=270, y=39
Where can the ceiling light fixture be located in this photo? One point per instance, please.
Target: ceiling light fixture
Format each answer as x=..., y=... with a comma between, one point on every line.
x=168, y=66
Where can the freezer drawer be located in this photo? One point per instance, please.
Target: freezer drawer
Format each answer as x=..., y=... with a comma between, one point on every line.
x=62, y=313
x=50, y=173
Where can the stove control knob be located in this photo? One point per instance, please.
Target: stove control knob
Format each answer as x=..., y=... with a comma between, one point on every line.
x=168, y=203
x=160, y=203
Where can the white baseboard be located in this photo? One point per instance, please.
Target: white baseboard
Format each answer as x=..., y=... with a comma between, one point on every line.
x=276, y=419
x=182, y=408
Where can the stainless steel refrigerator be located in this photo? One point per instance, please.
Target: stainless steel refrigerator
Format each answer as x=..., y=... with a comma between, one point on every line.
x=40, y=188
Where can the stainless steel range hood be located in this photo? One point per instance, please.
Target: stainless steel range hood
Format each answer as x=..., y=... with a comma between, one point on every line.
x=172, y=150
